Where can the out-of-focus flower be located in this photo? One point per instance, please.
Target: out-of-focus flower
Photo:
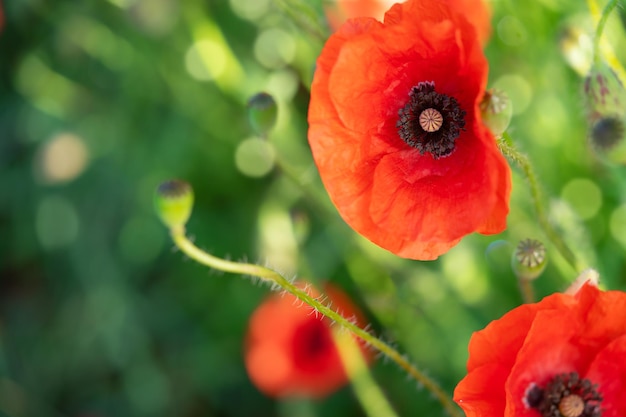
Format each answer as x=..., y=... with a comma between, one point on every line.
x=396, y=131
x=563, y=356
x=290, y=349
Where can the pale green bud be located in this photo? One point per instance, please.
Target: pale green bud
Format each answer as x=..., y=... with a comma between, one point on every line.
x=496, y=110
x=262, y=113
x=173, y=201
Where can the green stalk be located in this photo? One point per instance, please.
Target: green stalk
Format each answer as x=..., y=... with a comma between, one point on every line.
x=276, y=280
x=600, y=28
x=523, y=162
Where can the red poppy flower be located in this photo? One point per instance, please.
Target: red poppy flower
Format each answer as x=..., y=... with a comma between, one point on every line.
x=396, y=132
x=290, y=350
x=340, y=10
x=564, y=356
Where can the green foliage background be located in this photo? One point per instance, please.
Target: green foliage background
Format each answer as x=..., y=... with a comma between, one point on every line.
x=99, y=316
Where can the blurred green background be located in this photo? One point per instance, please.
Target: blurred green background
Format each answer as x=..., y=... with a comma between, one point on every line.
x=102, y=100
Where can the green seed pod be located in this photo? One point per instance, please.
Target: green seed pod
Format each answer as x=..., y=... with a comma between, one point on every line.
x=262, y=113
x=173, y=201
x=604, y=93
x=529, y=259
x=496, y=110
x=607, y=137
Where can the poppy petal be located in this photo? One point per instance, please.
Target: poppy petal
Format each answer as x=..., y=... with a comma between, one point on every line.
x=409, y=203
x=608, y=370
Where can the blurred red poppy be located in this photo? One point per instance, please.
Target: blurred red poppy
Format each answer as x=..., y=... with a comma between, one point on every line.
x=1, y=17
x=564, y=356
x=396, y=132
x=290, y=350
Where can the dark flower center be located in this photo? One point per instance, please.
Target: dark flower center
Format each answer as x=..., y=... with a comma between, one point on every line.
x=430, y=121
x=312, y=345
x=566, y=395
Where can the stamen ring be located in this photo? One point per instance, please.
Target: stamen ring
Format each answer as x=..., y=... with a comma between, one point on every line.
x=431, y=120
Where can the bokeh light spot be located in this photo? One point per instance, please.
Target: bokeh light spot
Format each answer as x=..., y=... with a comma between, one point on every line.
x=56, y=223
x=250, y=9
x=519, y=90
x=62, y=158
x=254, y=157
x=205, y=60
x=511, y=31
x=274, y=48
x=584, y=196
x=156, y=17
x=462, y=273
x=283, y=84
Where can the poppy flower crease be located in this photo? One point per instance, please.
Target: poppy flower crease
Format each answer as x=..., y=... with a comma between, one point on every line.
x=290, y=350
x=396, y=132
x=564, y=356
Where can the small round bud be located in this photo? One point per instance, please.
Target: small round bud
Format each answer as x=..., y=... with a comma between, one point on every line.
x=604, y=93
x=607, y=137
x=173, y=201
x=262, y=113
x=529, y=259
x=496, y=110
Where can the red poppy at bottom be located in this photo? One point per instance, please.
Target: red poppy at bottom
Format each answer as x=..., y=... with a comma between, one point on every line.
x=396, y=133
x=564, y=356
x=290, y=350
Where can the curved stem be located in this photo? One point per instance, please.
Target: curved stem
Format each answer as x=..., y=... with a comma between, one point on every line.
x=507, y=148
x=601, y=47
x=278, y=281
x=600, y=28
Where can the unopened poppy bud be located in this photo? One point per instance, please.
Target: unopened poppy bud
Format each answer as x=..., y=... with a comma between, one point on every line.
x=604, y=93
x=529, y=259
x=607, y=138
x=173, y=201
x=496, y=110
x=262, y=113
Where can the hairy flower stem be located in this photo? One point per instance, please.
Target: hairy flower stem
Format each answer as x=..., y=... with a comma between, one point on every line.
x=505, y=145
x=276, y=280
x=600, y=47
x=372, y=399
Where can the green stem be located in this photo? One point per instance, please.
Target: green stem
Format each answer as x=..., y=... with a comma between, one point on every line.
x=601, y=47
x=600, y=28
x=278, y=281
x=372, y=399
x=527, y=291
x=507, y=148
